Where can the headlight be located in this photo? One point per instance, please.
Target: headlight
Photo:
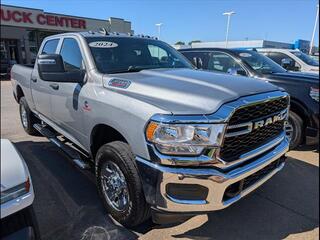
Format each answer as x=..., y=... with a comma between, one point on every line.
x=314, y=93
x=184, y=139
x=15, y=192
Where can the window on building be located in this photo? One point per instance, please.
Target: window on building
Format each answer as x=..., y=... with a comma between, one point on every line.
x=71, y=54
x=50, y=46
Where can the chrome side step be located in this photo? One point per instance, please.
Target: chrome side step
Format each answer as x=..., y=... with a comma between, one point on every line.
x=70, y=151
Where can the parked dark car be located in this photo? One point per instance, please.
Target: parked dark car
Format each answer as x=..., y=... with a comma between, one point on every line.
x=303, y=125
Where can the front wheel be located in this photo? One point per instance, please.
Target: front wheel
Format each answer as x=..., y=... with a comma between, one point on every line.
x=294, y=130
x=119, y=184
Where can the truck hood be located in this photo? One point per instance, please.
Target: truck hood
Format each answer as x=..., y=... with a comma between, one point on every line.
x=13, y=170
x=187, y=91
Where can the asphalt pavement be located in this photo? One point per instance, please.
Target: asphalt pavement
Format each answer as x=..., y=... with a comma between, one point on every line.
x=67, y=204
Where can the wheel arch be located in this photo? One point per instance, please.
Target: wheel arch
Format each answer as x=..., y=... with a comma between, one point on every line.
x=19, y=93
x=102, y=134
x=300, y=109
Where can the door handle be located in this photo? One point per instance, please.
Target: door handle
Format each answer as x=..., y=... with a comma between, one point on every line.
x=54, y=86
x=33, y=79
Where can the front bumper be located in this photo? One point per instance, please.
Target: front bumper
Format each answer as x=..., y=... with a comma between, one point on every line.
x=214, y=182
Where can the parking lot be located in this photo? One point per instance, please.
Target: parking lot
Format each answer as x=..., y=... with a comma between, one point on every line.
x=67, y=205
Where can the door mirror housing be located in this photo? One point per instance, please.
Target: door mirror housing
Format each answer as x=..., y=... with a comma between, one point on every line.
x=237, y=71
x=51, y=68
x=287, y=63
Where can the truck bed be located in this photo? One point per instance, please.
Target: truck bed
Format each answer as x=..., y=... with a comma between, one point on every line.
x=21, y=75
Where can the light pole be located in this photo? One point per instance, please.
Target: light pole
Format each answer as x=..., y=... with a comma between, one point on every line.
x=228, y=14
x=159, y=29
x=314, y=30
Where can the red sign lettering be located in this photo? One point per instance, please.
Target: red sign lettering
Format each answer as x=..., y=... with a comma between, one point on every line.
x=26, y=17
x=16, y=16
x=42, y=19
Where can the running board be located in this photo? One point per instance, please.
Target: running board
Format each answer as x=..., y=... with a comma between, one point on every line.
x=68, y=150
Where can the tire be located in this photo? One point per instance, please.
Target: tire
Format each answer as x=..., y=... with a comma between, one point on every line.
x=117, y=156
x=27, y=117
x=295, y=126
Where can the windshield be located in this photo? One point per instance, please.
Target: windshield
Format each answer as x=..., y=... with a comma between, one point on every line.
x=259, y=62
x=306, y=58
x=126, y=54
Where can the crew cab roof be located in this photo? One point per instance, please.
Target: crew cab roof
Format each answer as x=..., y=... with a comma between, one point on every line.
x=88, y=34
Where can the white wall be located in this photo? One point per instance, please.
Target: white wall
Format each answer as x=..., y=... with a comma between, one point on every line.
x=231, y=44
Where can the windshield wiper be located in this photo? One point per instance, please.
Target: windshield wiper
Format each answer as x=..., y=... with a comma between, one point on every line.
x=135, y=68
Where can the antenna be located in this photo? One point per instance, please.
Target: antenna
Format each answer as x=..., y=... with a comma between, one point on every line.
x=103, y=31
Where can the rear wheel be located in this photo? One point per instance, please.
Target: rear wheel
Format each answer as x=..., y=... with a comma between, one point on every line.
x=27, y=117
x=294, y=130
x=119, y=184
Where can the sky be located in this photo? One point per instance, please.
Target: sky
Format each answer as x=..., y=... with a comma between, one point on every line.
x=187, y=20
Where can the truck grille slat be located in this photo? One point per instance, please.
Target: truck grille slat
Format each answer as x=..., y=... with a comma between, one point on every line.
x=235, y=146
x=256, y=111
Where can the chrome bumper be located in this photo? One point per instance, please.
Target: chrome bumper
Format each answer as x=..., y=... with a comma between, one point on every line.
x=156, y=177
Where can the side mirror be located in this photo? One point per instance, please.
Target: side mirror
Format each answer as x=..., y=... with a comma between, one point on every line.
x=237, y=71
x=287, y=63
x=51, y=68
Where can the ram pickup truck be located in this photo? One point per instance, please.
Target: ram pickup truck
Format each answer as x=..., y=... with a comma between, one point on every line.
x=165, y=140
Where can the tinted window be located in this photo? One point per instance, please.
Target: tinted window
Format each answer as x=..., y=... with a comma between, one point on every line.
x=278, y=57
x=201, y=57
x=258, y=62
x=222, y=62
x=124, y=54
x=50, y=46
x=306, y=58
x=214, y=61
x=71, y=54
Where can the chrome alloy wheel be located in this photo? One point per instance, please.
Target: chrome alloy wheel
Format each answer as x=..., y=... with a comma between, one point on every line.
x=288, y=127
x=114, y=186
x=24, y=117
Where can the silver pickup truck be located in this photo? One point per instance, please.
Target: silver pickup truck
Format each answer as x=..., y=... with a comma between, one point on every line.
x=165, y=140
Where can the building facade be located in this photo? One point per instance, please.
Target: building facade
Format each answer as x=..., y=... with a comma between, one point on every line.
x=302, y=45
x=23, y=29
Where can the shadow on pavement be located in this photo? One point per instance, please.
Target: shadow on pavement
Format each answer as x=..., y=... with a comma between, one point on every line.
x=67, y=203
x=305, y=148
x=287, y=204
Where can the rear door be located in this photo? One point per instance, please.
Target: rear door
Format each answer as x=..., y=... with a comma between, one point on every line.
x=66, y=100
x=41, y=90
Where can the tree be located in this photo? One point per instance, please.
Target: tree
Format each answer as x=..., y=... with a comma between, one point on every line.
x=180, y=43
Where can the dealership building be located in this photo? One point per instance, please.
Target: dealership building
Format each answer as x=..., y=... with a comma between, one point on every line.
x=23, y=29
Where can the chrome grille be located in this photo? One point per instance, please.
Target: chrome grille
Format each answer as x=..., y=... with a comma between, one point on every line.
x=235, y=146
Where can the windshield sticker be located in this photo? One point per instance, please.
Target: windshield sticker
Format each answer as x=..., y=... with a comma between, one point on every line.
x=245, y=54
x=103, y=44
x=119, y=83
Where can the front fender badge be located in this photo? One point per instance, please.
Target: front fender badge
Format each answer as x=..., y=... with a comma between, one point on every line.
x=119, y=83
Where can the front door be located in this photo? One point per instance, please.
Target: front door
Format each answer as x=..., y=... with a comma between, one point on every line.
x=42, y=90
x=66, y=100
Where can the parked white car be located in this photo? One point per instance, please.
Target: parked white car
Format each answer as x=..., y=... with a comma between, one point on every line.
x=292, y=60
x=17, y=196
